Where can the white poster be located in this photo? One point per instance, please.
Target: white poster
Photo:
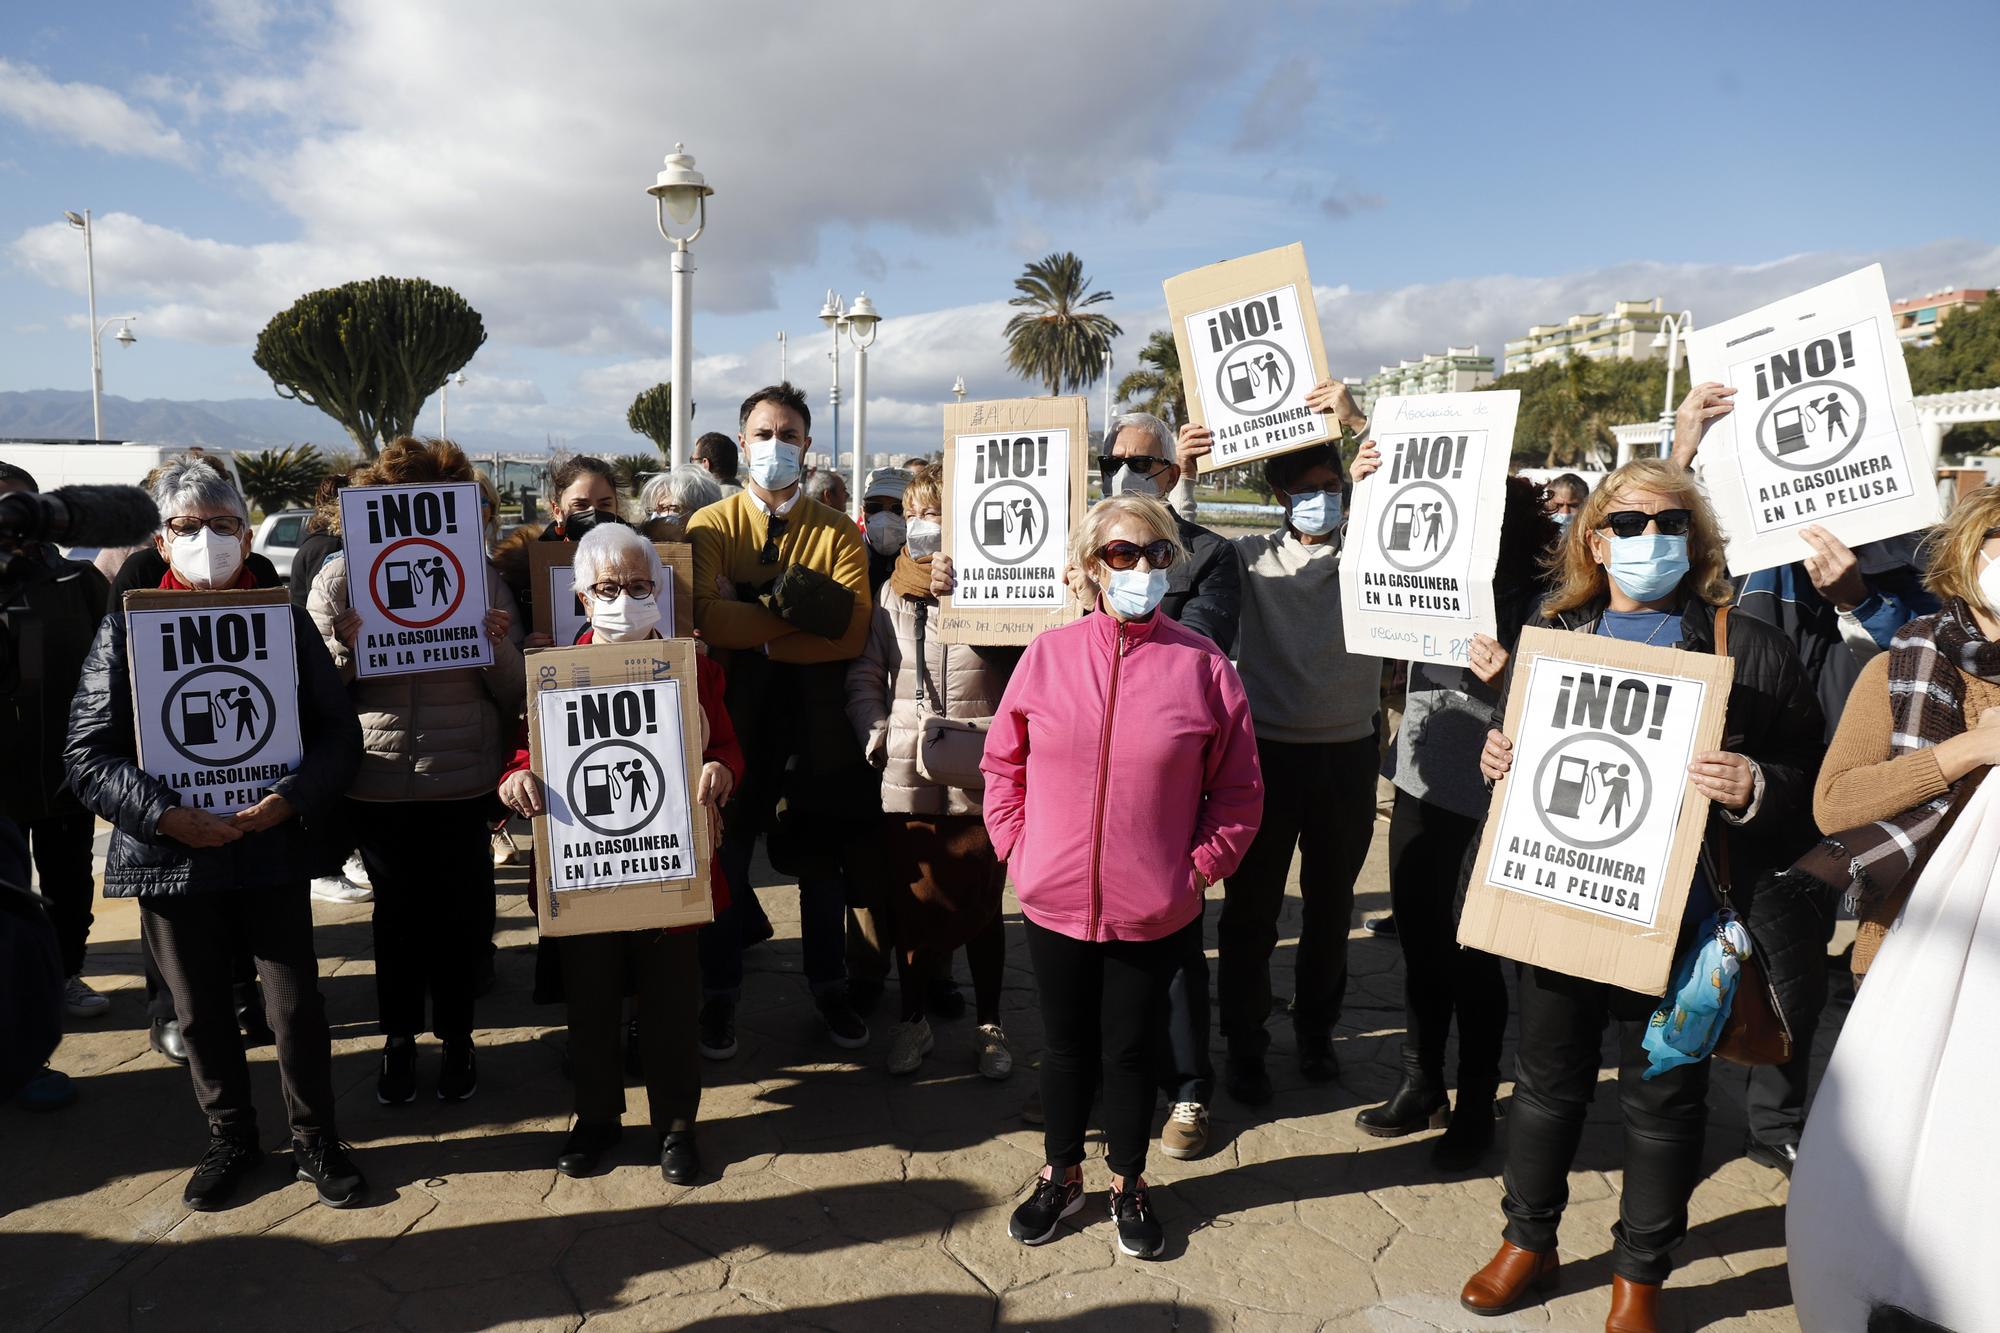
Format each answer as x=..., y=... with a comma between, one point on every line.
x=1598, y=785
x=568, y=616
x=416, y=571
x=1823, y=431
x=1010, y=518
x=216, y=701
x=1253, y=368
x=615, y=782
x=1416, y=572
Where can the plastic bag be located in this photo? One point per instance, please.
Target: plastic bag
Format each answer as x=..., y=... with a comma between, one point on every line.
x=1686, y=1026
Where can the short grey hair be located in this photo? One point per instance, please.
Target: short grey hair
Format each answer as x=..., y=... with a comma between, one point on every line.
x=821, y=481
x=187, y=484
x=1146, y=421
x=689, y=486
x=609, y=544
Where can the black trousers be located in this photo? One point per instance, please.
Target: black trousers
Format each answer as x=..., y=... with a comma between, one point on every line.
x=1320, y=801
x=61, y=844
x=663, y=969
x=1427, y=846
x=1775, y=1100
x=432, y=867
x=1186, y=1072
x=1562, y=1039
x=242, y=977
x=193, y=936
x=1102, y=1007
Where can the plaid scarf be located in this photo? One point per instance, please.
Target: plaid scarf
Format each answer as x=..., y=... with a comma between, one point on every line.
x=1928, y=662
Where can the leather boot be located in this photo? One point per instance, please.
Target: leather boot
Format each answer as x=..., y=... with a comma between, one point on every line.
x=1418, y=1103
x=1470, y=1133
x=1635, y=1307
x=1513, y=1278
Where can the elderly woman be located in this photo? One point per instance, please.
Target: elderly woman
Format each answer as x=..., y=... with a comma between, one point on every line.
x=621, y=576
x=207, y=883
x=677, y=496
x=1643, y=562
x=943, y=880
x=1121, y=781
x=436, y=741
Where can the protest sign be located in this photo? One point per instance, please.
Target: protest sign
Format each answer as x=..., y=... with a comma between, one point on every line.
x=1592, y=837
x=558, y=613
x=1013, y=488
x=215, y=693
x=416, y=571
x=1248, y=336
x=1824, y=429
x=614, y=740
x=1416, y=573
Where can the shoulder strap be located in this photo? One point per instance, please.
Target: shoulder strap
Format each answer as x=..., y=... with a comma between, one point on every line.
x=1722, y=631
x=926, y=688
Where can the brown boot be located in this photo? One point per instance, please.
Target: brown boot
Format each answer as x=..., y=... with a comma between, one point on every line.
x=1635, y=1307
x=1506, y=1282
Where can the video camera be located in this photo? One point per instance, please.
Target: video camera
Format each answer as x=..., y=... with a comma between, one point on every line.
x=74, y=516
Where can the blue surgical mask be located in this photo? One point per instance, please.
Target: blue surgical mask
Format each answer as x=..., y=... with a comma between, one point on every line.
x=1649, y=566
x=1562, y=518
x=775, y=465
x=1316, y=513
x=1134, y=593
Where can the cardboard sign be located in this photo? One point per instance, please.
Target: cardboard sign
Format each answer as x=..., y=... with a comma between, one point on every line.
x=416, y=571
x=1592, y=838
x=215, y=693
x=1416, y=573
x=1249, y=341
x=558, y=614
x=614, y=739
x=1824, y=429
x=1013, y=488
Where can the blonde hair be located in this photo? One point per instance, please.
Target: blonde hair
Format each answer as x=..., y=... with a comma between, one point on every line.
x=925, y=490
x=1155, y=517
x=1953, y=548
x=1578, y=580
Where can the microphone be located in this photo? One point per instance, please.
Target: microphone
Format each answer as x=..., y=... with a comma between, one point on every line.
x=80, y=516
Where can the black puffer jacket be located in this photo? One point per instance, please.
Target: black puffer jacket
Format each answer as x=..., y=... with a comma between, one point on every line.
x=1205, y=591
x=51, y=618
x=104, y=772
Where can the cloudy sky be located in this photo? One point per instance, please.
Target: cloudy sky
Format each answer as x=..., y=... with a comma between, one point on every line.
x=1456, y=172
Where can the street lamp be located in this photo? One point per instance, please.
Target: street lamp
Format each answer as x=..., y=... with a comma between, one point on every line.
x=444, y=401
x=1107, y=395
x=680, y=193
x=834, y=315
x=958, y=388
x=1668, y=338
x=862, y=322
x=81, y=221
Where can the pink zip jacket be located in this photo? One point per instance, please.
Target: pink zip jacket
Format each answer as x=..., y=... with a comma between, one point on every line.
x=1121, y=759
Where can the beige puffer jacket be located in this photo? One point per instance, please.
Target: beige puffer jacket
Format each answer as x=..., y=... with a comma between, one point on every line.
x=434, y=735
x=882, y=702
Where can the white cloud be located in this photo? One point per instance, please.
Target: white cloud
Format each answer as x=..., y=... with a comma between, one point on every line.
x=84, y=113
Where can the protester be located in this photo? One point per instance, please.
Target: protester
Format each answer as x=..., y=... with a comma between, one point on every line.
x=781, y=587
x=204, y=880
x=621, y=575
x=715, y=454
x=1643, y=562
x=882, y=521
x=585, y=493
x=1121, y=781
x=1439, y=804
x=678, y=496
x=829, y=487
x=436, y=741
x=322, y=537
x=1563, y=496
x=944, y=883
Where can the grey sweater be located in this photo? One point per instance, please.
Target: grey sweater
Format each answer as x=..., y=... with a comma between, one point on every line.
x=1436, y=754
x=1305, y=688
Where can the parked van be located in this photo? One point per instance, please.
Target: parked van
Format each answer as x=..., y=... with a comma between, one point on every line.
x=102, y=462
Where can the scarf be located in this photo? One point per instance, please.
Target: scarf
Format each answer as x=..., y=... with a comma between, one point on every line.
x=911, y=578
x=244, y=579
x=1928, y=663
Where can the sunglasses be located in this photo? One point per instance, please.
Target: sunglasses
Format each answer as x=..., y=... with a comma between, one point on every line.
x=1144, y=465
x=222, y=525
x=1123, y=555
x=1632, y=522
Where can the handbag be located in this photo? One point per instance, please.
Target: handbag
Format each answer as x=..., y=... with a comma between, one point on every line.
x=948, y=748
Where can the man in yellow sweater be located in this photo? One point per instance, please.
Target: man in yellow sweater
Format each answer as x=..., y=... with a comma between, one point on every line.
x=786, y=699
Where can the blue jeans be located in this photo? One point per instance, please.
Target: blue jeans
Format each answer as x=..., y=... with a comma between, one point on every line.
x=822, y=923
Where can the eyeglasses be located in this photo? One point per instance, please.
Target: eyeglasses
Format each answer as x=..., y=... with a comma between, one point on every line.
x=608, y=590
x=1145, y=465
x=769, y=555
x=1632, y=522
x=222, y=525
x=1123, y=555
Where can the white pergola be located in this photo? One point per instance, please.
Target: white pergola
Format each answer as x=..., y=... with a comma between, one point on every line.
x=1936, y=414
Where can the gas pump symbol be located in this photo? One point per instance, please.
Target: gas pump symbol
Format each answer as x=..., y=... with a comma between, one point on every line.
x=1242, y=385
x=600, y=789
x=200, y=716
x=1789, y=430
x=1572, y=787
x=1402, y=523
x=993, y=520
x=401, y=584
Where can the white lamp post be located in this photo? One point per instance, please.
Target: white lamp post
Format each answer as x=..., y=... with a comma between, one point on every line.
x=1668, y=336
x=834, y=315
x=681, y=194
x=81, y=221
x=958, y=388
x=862, y=322
x=1107, y=395
x=781, y=356
x=444, y=402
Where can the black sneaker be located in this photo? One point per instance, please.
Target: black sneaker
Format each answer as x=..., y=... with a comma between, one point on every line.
x=847, y=1028
x=1139, y=1232
x=458, y=1077
x=718, y=1028
x=326, y=1167
x=1247, y=1079
x=1317, y=1062
x=222, y=1168
x=944, y=1000
x=1035, y=1221
x=396, y=1084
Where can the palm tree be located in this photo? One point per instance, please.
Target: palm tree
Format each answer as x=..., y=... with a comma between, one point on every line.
x=630, y=470
x=280, y=478
x=1052, y=339
x=1156, y=386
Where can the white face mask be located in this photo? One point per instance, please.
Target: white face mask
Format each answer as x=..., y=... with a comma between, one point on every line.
x=1989, y=581
x=625, y=619
x=775, y=465
x=925, y=538
x=885, y=532
x=1127, y=482
x=206, y=559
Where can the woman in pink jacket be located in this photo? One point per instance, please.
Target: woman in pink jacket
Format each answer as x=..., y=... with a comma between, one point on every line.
x=1121, y=781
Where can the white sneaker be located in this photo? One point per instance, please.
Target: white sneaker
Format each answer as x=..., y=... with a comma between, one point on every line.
x=341, y=889
x=990, y=1045
x=909, y=1043
x=356, y=873
x=1185, y=1135
x=505, y=853
x=82, y=1001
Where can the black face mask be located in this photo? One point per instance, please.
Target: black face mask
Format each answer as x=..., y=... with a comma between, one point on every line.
x=575, y=525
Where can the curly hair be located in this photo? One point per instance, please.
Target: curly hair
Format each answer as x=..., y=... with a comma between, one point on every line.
x=1579, y=580
x=926, y=489
x=407, y=460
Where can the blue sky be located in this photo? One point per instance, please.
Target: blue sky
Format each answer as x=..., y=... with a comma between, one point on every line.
x=1456, y=172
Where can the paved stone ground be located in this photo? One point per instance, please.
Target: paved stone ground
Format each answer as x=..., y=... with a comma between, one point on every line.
x=841, y=1199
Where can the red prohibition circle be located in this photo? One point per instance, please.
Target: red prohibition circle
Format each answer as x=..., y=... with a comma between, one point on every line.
x=457, y=570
